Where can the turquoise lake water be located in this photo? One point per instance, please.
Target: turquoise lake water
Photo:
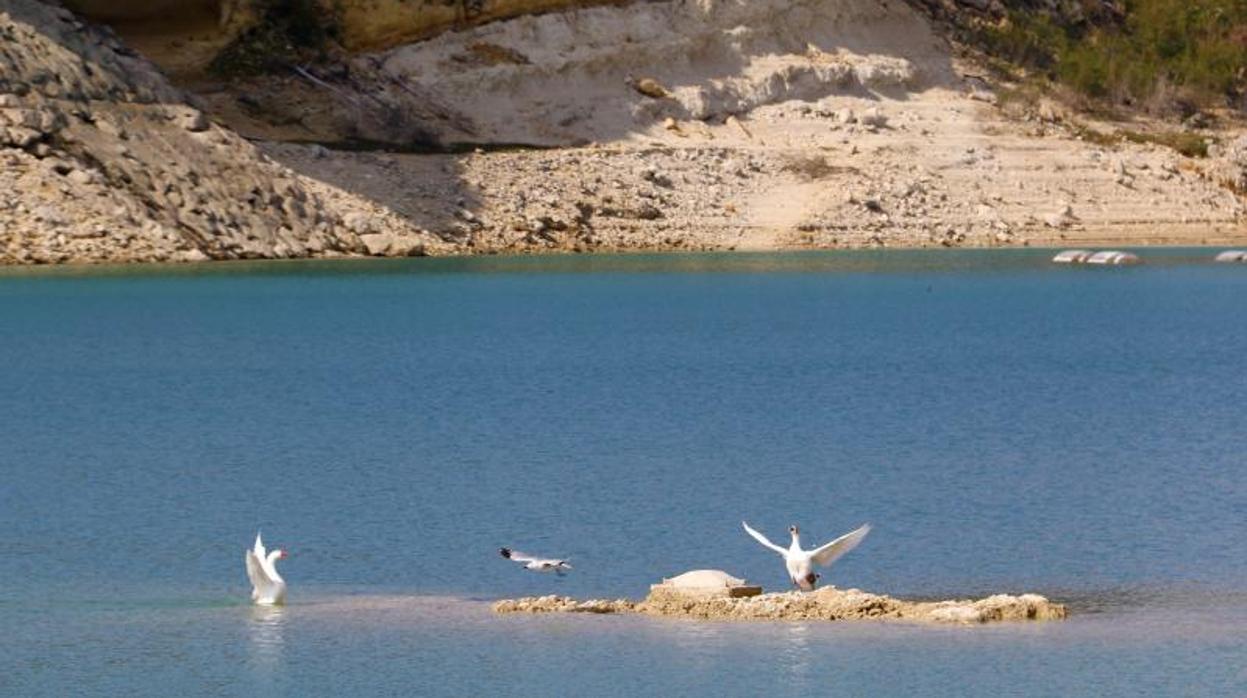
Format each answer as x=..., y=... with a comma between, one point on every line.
x=1005, y=424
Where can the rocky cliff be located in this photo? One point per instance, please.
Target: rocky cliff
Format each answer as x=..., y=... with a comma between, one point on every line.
x=716, y=124
x=106, y=161
x=358, y=24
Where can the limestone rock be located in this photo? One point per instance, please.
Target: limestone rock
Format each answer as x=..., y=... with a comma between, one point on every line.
x=80, y=177
x=649, y=87
x=874, y=117
x=828, y=604
x=358, y=223
x=1063, y=217
x=702, y=579
x=705, y=583
x=191, y=255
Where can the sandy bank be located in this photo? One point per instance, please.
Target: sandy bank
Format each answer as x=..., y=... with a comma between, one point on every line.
x=828, y=604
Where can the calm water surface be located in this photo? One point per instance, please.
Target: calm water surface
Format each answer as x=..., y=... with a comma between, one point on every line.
x=1005, y=424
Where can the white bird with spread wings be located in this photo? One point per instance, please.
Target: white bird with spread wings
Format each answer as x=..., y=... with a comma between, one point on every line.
x=536, y=564
x=267, y=587
x=800, y=563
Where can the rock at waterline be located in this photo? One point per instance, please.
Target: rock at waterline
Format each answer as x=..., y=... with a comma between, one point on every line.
x=828, y=603
x=1071, y=257
x=1103, y=257
x=1113, y=257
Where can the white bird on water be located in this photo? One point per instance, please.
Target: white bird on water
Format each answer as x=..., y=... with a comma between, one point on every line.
x=267, y=587
x=800, y=563
x=536, y=564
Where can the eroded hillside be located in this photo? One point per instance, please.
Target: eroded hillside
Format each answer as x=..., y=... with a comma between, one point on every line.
x=717, y=124
x=104, y=160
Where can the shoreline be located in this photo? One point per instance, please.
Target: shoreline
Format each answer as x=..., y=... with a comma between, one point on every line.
x=607, y=253
x=606, y=260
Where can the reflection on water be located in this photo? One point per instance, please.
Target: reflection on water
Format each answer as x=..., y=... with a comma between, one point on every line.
x=397, y=644
x=797, y=658
x=266, y=631
x=697, y=642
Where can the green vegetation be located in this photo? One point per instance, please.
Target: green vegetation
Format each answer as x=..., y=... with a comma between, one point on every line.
x=287, y=32
x=1192, y=145
x=1166, y=55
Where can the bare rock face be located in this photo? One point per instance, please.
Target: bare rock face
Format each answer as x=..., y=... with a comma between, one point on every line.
x=588, y=79
x=93, y=132
x=828, y=604
x=771, y=124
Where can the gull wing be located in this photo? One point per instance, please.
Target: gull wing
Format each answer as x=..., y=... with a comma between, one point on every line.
x=257, y=568
x=255, y=571
x=762, y=539
x=827, y=554
x=517, y=556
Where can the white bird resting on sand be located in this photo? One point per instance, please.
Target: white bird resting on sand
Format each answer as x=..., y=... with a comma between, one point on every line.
x=267, y=587
x=800, y=563
x=536, y=564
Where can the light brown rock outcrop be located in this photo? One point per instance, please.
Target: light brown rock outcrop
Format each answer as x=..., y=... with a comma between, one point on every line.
x=828, y=604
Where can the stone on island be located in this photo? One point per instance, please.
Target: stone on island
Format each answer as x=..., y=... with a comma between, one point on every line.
x=706, y=584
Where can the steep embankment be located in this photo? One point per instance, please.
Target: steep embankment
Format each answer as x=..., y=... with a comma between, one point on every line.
x=103, y=160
